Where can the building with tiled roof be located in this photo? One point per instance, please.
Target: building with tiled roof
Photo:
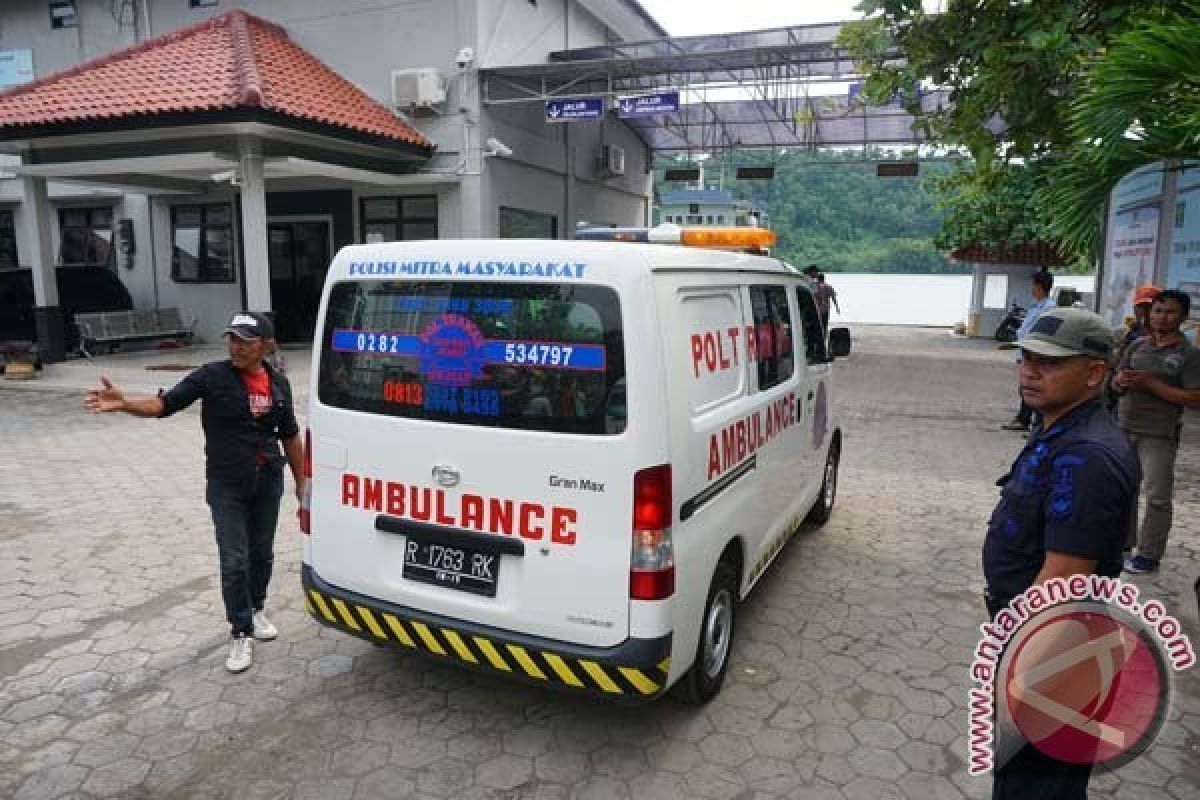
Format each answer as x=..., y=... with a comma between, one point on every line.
x=215, y=159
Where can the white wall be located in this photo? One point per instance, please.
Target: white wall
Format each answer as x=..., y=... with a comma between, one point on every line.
x=26, y=24
x=619, y=17
x=209, y=304
x=561, y=148
x=520, y=32
x=516, y=185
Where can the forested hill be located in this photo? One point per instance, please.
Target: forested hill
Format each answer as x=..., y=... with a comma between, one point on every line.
x=841, y=216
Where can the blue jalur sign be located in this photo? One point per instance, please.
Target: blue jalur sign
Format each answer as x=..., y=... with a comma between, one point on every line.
x=648, y=104
x=573, y=108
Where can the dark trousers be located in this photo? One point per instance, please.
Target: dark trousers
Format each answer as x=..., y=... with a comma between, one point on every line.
x=244, y=517
x=1031, y=774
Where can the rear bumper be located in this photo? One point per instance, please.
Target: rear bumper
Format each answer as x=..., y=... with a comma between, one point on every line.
x=635, y=670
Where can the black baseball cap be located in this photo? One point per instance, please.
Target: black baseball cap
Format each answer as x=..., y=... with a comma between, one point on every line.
x=250, y=326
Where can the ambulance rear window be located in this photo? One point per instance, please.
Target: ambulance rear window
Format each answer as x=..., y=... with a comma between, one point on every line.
x=533, y=356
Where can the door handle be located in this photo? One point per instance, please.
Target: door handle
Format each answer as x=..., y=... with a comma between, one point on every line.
x=810, y=395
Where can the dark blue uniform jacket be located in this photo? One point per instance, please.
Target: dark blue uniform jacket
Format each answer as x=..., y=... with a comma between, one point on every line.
x=1071, y=491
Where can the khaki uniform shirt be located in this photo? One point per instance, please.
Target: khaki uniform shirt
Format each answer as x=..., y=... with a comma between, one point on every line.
x=1144, y=412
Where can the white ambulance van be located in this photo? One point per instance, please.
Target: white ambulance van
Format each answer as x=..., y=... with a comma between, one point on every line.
x=563, y=461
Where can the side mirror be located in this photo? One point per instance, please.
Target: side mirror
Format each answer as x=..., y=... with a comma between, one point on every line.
x=839, y=342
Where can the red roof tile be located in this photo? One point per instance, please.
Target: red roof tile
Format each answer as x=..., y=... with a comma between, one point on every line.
x=234, y=61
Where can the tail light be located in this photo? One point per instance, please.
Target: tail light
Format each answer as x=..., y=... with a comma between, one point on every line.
x=652, y=565
x=306, y=502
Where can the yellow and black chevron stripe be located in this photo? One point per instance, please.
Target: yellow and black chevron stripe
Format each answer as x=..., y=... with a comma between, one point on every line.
x=487, y=652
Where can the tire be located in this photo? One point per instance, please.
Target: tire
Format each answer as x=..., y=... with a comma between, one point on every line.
x=718, y=625
x=1006, y=333
x=823, y=508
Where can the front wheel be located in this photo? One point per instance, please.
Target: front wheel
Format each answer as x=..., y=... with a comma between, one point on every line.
x=703, y=681
x=823, y=508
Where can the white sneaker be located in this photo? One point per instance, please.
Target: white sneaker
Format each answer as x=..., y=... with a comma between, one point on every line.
x=264, y=631
x=241, y=654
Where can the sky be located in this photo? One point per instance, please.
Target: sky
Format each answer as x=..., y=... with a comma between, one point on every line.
x=695, y=17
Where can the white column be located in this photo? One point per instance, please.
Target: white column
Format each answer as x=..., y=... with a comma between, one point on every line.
x=47, y=314
x=38, y=253
x=254, y=230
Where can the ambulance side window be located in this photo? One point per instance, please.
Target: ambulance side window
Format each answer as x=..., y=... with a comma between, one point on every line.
x=814, y=333
x=772, y=335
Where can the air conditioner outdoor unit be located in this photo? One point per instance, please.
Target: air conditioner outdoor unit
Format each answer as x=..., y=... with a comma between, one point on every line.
x=612, y=159
x=418, y=91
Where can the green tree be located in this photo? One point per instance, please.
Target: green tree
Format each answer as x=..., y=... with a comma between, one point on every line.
x=829, y=208
x=1010, y=69
x=1139, y=103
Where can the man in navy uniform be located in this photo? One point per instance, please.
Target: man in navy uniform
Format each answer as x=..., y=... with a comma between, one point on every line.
x=1065, y=505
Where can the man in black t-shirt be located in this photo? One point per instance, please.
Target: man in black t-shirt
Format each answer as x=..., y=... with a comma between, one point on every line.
x=246, y=410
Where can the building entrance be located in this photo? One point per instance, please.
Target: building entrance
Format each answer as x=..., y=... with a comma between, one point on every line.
x=298, y=253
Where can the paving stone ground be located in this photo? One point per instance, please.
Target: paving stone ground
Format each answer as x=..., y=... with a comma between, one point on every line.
x=849, y=678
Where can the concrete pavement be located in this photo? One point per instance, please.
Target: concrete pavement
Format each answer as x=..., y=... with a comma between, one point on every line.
x=849, y=679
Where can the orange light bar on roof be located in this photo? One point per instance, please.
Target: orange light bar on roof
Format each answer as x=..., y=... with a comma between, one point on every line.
x=727, y=238
x=713, y=238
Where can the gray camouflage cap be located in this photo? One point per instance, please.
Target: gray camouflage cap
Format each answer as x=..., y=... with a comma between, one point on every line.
x=1065, y=332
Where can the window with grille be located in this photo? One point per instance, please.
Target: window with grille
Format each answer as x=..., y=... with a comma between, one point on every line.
x=202, y=246
x=394, y=219
x=86, y=237
x=63, y=14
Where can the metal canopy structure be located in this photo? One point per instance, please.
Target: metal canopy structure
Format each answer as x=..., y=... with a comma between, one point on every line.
x=737, y=90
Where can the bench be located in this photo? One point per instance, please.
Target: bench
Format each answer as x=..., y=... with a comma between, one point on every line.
x=112, y=328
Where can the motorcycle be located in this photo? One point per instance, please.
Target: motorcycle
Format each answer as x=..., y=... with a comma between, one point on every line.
x=1006, y=331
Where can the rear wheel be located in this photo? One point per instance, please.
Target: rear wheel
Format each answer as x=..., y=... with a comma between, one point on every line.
x=823, y=508
x=703, y=681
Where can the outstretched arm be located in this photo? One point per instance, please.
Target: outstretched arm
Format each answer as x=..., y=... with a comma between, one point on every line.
x=110, y=398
